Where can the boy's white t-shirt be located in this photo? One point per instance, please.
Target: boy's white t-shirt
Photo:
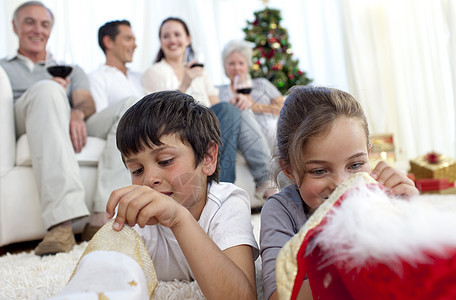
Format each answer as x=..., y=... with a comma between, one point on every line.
x=225, y=218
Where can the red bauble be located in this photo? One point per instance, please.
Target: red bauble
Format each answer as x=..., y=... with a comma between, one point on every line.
x=432, y=157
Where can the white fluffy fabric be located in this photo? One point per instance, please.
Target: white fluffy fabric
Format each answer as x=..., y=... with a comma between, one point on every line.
x=369, y=225
x=27, y=276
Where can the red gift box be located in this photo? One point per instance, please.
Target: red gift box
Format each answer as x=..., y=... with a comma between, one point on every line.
x=431, y=184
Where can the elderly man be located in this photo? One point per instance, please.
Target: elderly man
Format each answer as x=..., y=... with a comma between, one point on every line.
x=58, y=114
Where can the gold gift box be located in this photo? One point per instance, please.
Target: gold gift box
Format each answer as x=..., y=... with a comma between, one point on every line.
x=443, y=167
x=382, y=149
x=375, y=158
x=382, y=143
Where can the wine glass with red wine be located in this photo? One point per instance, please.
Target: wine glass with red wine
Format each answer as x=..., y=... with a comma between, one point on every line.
x=190, y=55
x=60, y=70
x=243, y=83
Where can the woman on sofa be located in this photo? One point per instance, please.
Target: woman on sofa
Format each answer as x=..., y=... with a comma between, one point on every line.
x=171, y=71
x=264, y=100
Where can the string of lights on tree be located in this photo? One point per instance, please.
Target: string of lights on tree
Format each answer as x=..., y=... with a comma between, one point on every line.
x=272, y=54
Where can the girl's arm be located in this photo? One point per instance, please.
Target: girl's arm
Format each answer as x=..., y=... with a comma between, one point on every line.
x=277, y=228
x=305, y=293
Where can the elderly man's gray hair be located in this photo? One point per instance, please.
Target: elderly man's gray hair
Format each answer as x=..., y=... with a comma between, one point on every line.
x=31, y=3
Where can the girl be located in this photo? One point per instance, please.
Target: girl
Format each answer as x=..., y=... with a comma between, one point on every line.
x=171, y=71
x=322, y=138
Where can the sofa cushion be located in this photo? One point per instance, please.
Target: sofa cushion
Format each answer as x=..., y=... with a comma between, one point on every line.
x=87, y=157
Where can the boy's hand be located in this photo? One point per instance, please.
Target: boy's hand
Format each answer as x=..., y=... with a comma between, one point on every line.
x=143, y=206
x=396, y=181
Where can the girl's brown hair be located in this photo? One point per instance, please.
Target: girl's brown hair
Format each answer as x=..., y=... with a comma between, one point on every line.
x=307, y=112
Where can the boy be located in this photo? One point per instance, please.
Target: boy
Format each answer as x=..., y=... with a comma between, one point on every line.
x=201, y=228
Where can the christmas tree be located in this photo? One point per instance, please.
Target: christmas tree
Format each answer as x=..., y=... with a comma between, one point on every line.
x=272, y=55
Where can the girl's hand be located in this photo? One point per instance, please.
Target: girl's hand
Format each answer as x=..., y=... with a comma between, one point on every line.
x=189, y=75
x=242, y=101
x=396, y=181
x=143, y=206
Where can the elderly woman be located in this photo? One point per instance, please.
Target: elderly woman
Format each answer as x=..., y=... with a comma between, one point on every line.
x=264, y=99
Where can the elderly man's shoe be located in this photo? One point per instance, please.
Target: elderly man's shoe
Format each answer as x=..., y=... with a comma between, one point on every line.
x=89, y=231
x=58, y=239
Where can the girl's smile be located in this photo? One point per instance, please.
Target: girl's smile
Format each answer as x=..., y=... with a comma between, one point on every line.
x=331, y=157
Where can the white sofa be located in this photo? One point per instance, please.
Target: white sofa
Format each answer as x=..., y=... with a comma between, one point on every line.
x=20, y=212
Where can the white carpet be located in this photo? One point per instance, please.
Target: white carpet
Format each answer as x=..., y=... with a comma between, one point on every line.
x=28, y=276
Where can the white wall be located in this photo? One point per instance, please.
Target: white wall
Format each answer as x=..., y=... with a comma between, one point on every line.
x=397, y=57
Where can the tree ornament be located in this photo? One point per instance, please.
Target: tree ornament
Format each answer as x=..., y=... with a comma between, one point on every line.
x=272, y=54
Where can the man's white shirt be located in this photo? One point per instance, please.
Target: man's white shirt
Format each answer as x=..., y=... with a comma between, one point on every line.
x=109, y=85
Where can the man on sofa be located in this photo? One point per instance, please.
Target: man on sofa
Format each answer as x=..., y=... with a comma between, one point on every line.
x=113, y=81
x=58, y=114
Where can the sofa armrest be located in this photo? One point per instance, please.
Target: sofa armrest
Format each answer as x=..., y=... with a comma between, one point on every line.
x=7, y=127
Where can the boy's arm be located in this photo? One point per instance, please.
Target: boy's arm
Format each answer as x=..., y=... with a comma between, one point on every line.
x=228, y=274
x=220, y=274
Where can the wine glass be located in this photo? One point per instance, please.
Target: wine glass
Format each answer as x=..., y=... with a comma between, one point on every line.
x=242, y=83
x=60, y=70
x=61, y=67
x=191, y=55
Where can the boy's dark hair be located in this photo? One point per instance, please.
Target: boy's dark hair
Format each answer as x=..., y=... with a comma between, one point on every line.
x=169, y=112
x=110, y=29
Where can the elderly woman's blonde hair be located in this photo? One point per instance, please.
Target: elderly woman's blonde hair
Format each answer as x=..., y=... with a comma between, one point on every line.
x=243, y=47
